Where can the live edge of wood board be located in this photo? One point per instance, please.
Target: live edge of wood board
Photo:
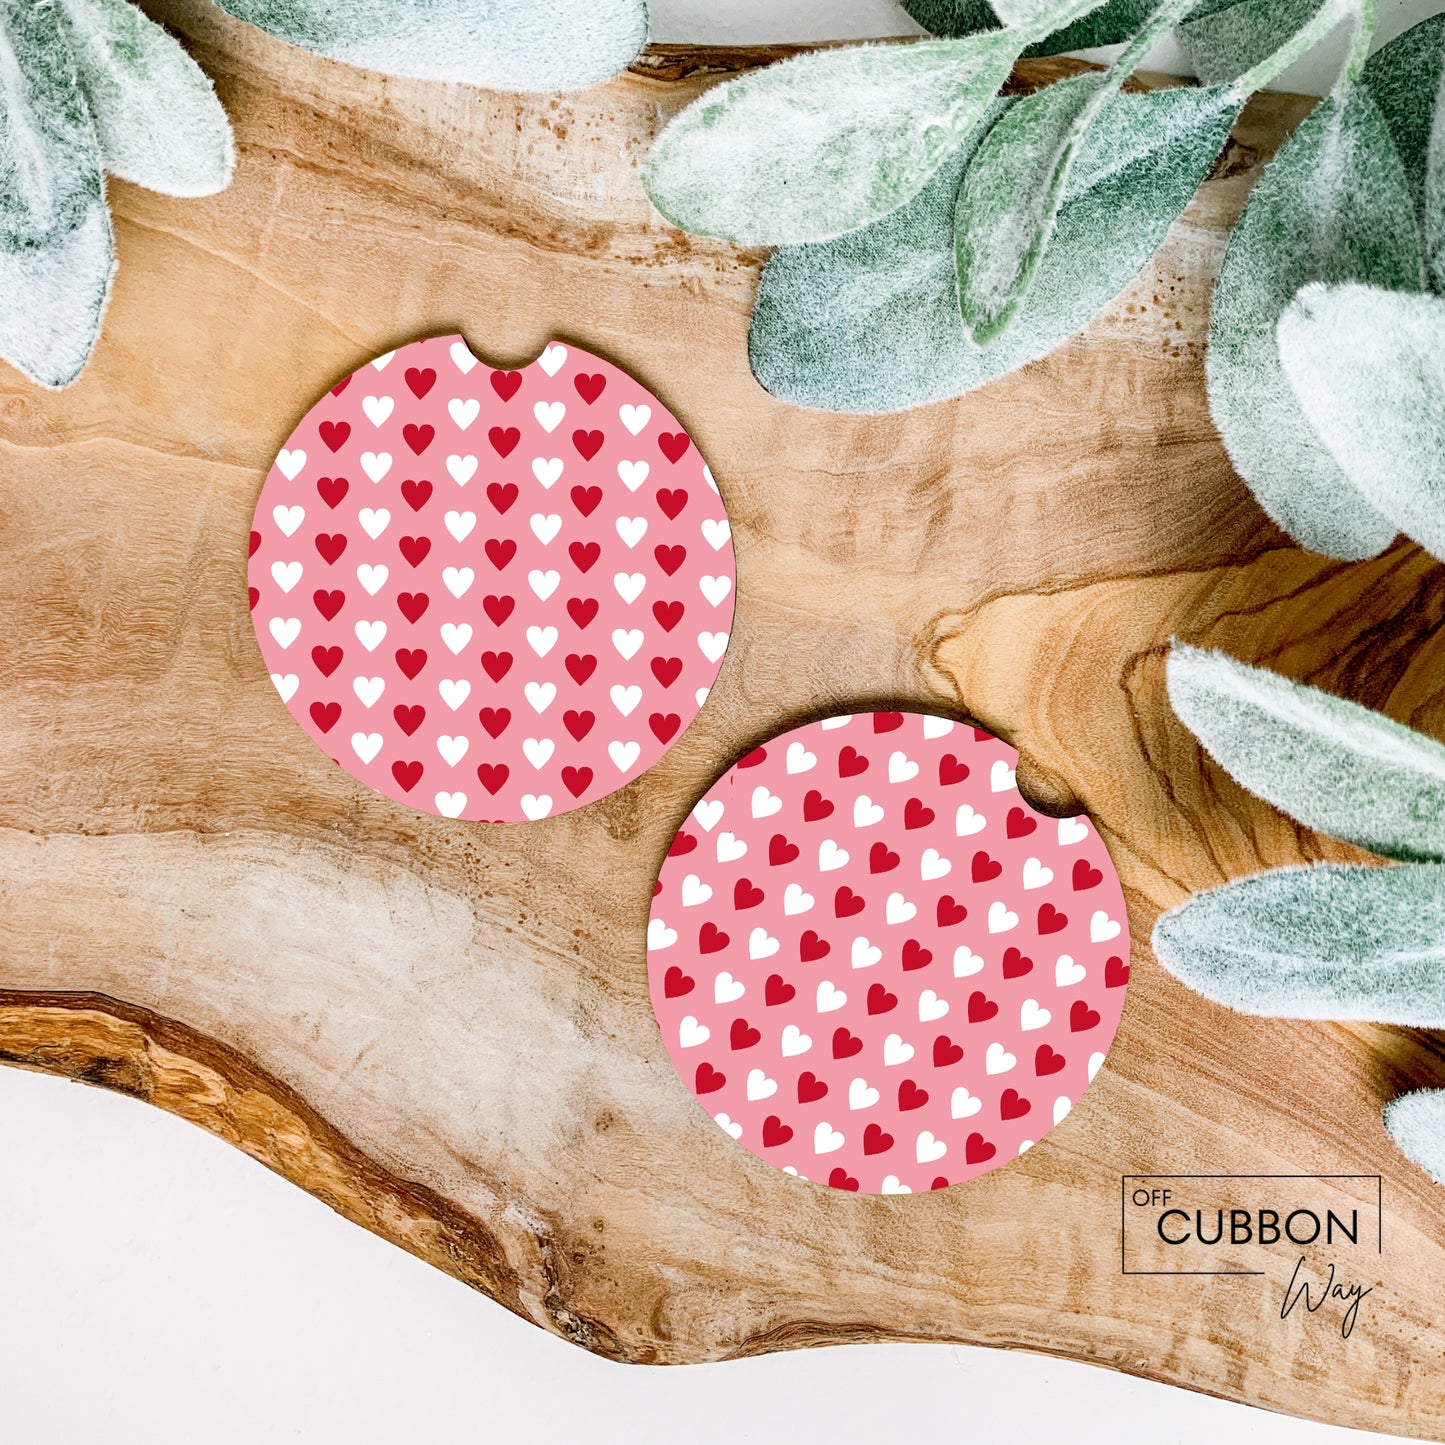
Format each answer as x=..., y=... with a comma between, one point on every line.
x=442, y=1029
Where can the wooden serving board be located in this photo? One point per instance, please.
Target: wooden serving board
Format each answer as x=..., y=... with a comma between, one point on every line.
x=443, y=1029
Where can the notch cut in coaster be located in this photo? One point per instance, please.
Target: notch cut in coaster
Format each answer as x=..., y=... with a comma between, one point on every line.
x=494, y=595
x=875, y=965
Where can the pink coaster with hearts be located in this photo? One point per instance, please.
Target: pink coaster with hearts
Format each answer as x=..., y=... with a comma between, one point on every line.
x=491, y=594
x=875, y=965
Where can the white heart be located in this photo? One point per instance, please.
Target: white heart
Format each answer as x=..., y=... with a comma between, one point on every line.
x=547, y=470
x=629, y=586
x=707, y=813
x=1067, y=972
x=554, y=358
x=716, y=532
x=372, y=578
x=549, y=414
x=765, y=804
x=695, y=891
x=458, y=580
x=715, y=589
x=1071, y=831
x=289, y=463
x=937, y=727
x=964, y=1105
x=632, y=529
x=760, y=1086
x=701, y=695
x=865, y=955
x=1002, y=777
x=893, y=1185
x=730, y=848
x=728, y=1126
x=691, y=1033
x=541, y=695
x=545, y=526
x=895, y=1051
x=462, y=467
x=831, y=724
x=450, y=805
x=967, y=823
x=462, y=357
x=286, y=685
x=543, y=584
x=966, y=962
x=998, y=1060
x=1102, y=928
x=624, y=754
x=377, y=408
x=542, y=639
x=800, y=760
x=288, y=519
x=384, y=360
x=929, y=1149
x=866, y=812
x=633, y=474
x=659, y=935
x=795, y=1042
x=285, y=630
x=538, y=751
x=933, y=865
x=376, y=464
x=761, y=944
x=1036, y=875
x=460, y=524
x=627, y=641
x=727, y=989
x=860, y=1096
x=625, y=699
x=1096, y=1062
x=901, y=768
x=456, y=635
x=831, y=857
x=452, y=749
x=464, y=411
x=1062, y=1105
x=366, y=745
x=536, y=806
x=830, y=998
x=368, y=689
x=899, y=909
x=374, y=521
x=826, y=1139
x=931, y=1008
x=286, y=574
x=371, y=634
x=634, y=418
x=795, y=900
x=713, y=645
x=1032, y=1016
x=1000, y=920
x=1026, y=1146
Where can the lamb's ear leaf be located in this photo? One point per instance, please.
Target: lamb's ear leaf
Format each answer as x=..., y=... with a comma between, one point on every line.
x=1225, y=41
x=1333, y=942
x=1416, y=1122
x=1110, y=24
x=1329, y=763
x=827, y=142
x=497, y=44
x=49, y=161
x=156, y=115
x=1333, y=205
x=1368, y=369
x=1009, y=201
x=869, y=323
x=52, y=298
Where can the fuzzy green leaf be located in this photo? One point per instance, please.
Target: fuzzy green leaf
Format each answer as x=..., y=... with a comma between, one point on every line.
x=1331, y=764
x=1225, y=42
x=1416, y=1122
x=1406, y=78
x=156, y=115
x=52, y=297
x=1009, y=201
x=49, y=162
x=825, y=143
x=1333, y=942
x=869, y=323
x=1043, y=17
x=1368, y=369
x=1332, y=206
x=1117, y=21
x=498, y=44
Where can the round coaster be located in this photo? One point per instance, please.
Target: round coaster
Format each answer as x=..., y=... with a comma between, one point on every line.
x=491, y=594
x=875, y=965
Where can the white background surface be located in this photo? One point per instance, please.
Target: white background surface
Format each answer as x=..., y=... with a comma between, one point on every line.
x=157, y=1286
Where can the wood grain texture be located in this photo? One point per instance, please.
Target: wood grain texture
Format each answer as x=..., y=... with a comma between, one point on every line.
x=443, y=1029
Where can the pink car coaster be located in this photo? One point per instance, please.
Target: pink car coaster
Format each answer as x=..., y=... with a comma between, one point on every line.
x=875, y=965
x=492, y=595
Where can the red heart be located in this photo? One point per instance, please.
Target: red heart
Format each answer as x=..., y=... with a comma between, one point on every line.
x=664, y=725
x=887, y=722
x=582, y=610
x=674, y=445
x=501, y=495
x=584, y=555
x=577, y=780
x=325, y=715
x=683, y=843
x=585, y=499
x=409, y=719
x=341, y=386
x=327, y=659
x=811, y=1088
x=588, y=443
x=882, y=859
x=667, y=670
x=845, y=1045
x=985, y=869
x=1086, y=875
x=407, y=775
x=752, y=759
x=589, y=388
x=1013, y=1105
x=708, y=1080
x=497, y=664
x=332, y=490
x=1082, y=1017
x=412, y=605
x=418, y=438
x=579, y=724
x=940, y=1183
x=746, y=894
x=775, y=1132
x=1116, y=973
x=981, y=1007
x=743, y=1035
x=950, y=911
x=495, y=719
x=670, y=558
x=978, y=1150
x=676, y=984
x=1051, y=920
x=1016, y=964
x=841, y=1179
x=875, y=1141
x=500, y=551
x=1020, y=824
x=580, y=666
x=910, y=1096
x=493, y=776
x=846, y=903
x=946, y=1052
x=816, y=807
x=851, y=762
x=331, y=545
x=411, y=661
x=668, y=614
x=415, y=549
x=506, y=383
x=671, y=501
x=420, y=381
x=335, y=433
x=254, y=593
x=416, y=493
x=880, y=1001
x=915, y=956
x=1046, y=1061
x=498, y=608
x=951, y=770
x=811, y=948
x=781, y=851
x=778, y=990
x=328, y=604
x=711, y=939
x=504, y=440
